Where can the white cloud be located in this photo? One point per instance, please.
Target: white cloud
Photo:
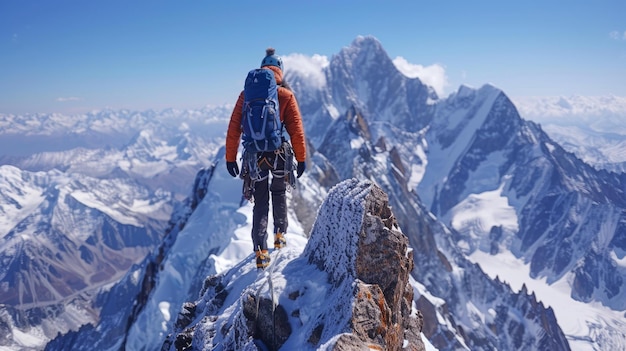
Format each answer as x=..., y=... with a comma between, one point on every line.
x=433, y=75
x=70, y=98
x=617, y=35
x=311, y=67
x=590, y=111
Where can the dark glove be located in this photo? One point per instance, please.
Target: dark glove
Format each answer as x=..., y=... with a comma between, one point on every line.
x=301, y=168
x=233, y=169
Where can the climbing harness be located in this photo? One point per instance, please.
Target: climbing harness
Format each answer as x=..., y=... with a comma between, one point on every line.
x=256, y=167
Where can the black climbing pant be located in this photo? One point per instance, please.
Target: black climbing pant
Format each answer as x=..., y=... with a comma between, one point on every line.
x=269, y=163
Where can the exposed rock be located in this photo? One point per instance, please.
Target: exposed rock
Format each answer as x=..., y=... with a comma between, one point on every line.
x=380, y=265
x=266, y=322
x=384, y=263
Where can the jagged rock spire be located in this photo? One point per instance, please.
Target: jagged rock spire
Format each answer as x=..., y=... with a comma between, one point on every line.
x=356, y=238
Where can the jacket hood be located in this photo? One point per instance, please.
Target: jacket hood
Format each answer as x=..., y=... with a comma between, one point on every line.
x=278, y=73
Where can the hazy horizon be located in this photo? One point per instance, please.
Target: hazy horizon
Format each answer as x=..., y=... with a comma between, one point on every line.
x=72, y=56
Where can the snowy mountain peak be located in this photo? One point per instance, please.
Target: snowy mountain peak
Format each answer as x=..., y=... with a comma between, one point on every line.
x=363, y=77
x=348, y=289
x=366, y=46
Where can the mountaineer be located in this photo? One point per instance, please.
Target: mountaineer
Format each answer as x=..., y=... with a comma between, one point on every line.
x=264, y=110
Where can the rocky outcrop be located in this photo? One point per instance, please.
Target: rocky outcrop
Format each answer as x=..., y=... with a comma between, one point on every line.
x=348, y=290
x=378, y=260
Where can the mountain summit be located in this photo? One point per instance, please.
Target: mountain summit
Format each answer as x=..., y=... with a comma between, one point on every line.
x=349, y=289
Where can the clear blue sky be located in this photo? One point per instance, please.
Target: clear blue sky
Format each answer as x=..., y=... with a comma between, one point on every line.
x=75, y=56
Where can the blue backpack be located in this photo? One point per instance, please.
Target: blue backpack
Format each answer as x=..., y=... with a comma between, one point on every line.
x=260, y=121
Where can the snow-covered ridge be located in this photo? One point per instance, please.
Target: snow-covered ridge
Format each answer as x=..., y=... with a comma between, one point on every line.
x=20, y=193
x=319, y=298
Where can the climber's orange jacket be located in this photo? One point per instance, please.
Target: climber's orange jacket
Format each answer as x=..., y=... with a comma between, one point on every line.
x=289, y=116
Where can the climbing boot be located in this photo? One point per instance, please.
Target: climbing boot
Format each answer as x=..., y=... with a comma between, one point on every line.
x=279, y=240
x=262, y=259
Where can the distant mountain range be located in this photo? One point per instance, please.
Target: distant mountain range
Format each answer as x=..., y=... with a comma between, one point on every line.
x=593, y=128
x=82, y=199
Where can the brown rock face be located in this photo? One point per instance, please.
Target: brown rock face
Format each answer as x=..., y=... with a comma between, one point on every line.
x=382, y=310
x=360, y=242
